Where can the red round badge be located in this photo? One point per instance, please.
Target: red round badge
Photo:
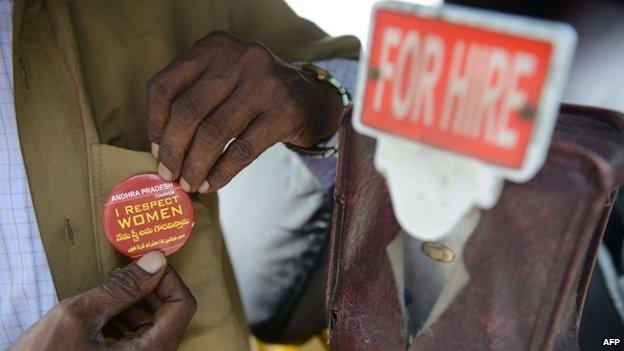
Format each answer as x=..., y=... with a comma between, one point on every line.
x=144, y=213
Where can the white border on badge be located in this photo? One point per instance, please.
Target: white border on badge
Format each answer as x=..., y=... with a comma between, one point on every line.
x=563, y=38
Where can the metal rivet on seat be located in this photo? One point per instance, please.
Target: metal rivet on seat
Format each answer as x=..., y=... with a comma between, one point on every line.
x=438, y=252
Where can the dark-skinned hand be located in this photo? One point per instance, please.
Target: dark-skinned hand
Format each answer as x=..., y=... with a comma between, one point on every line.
x=144, y=306
x=216, y=108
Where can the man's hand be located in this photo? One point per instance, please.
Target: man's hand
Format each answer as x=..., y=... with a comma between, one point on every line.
x=144, y=306
x=224, y=88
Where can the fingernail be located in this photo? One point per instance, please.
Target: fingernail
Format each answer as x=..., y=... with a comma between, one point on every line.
x=164, y=173
x=185, y=185
x=152, y=262
x=155, y=150
x=204, y=187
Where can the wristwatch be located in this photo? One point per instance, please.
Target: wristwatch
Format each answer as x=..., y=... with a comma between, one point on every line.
x=329, y=146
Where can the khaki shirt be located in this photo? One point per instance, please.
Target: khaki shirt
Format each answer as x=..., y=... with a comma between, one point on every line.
x=80, y=70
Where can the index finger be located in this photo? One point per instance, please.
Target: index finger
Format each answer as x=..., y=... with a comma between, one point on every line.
x=171, y=319
x=166, y=85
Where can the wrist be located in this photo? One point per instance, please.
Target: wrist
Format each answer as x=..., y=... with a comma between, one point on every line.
x=333, y=109
x=328, y=102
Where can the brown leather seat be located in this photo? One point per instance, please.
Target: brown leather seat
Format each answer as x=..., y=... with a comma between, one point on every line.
x=529, y=259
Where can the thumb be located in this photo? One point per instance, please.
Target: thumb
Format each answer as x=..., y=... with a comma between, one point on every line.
x=123, y=288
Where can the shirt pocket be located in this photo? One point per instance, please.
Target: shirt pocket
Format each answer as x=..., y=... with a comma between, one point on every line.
x=202, y=262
